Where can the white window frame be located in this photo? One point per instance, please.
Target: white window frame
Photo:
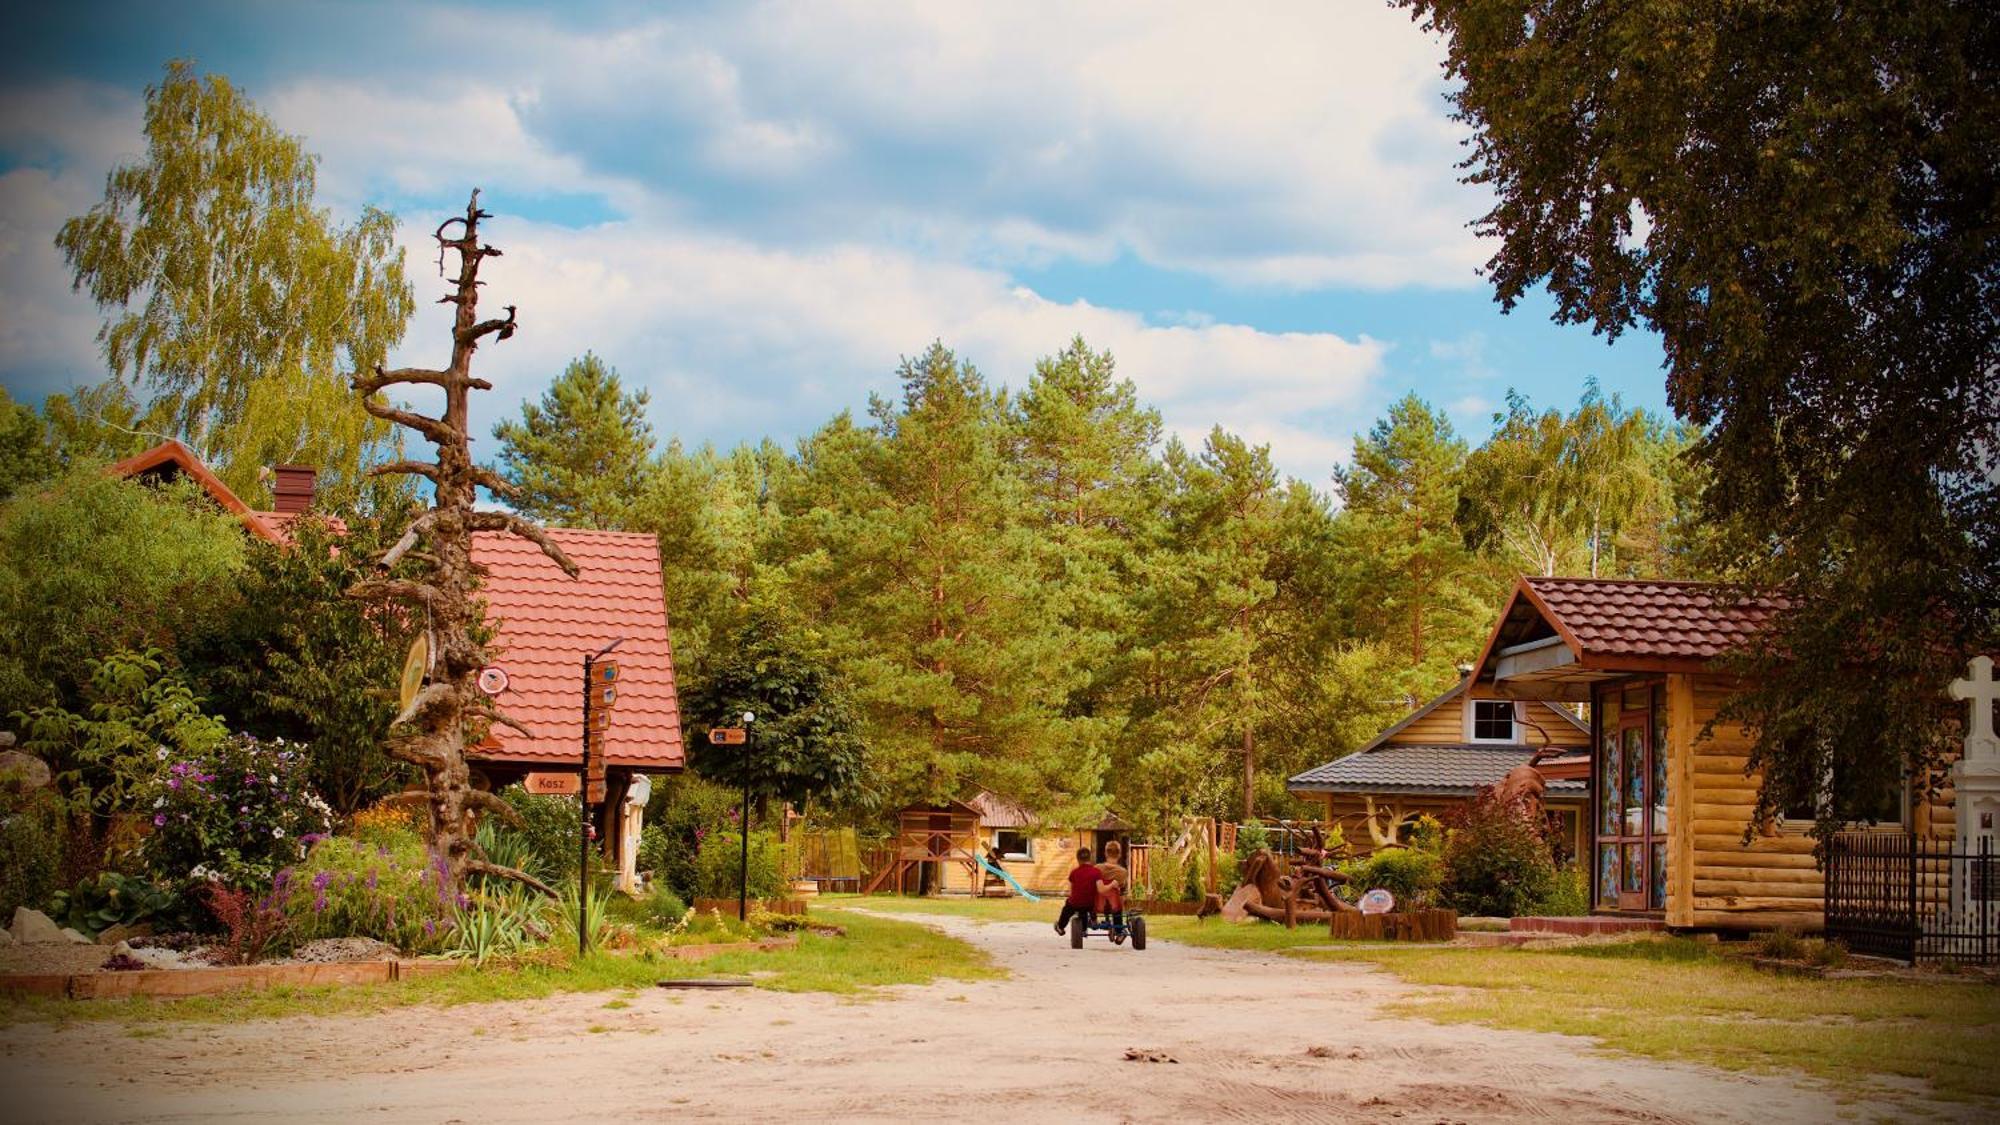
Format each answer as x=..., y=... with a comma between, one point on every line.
x=1026, y=854
x=1472, y=726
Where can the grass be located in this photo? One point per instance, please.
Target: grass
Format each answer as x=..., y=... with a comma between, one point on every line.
x=876, y=953
x=1681, y=1000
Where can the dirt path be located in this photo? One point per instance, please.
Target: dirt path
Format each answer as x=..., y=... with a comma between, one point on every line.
x=1256, y=1037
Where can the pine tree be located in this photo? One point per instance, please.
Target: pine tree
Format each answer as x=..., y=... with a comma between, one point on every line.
x=583, y=456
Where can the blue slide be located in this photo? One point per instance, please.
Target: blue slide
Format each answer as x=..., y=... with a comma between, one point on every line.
x=1008, y=879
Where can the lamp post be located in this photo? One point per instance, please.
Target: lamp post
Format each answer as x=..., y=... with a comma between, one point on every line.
x=583, y=802
x=743, y=823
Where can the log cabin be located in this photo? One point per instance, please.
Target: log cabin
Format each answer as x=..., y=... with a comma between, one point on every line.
x=1446, y=752
x=544, y=623
x=1669, y=798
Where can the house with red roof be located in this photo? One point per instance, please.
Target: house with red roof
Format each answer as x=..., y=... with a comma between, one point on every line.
x=544, y=624
x=1668, y=798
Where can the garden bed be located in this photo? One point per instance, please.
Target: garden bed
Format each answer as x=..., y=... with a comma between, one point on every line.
x=207, y=981
x=727, y=906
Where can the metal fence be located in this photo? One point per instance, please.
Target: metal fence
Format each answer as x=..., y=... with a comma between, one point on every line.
x=1912, y=899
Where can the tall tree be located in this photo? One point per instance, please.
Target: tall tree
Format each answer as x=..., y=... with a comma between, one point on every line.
x=583, y=456
x=450, y=713
x=232, y=296
x=1415, y=586
x=1800, y=198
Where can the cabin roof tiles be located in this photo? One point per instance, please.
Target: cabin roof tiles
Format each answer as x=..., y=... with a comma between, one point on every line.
x=1453, y=770
x=1650, y=619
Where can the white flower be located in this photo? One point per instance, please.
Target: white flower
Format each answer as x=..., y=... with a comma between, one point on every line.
x=158, y=801
x=274, y=779
x=278, y=832
x=161, y=753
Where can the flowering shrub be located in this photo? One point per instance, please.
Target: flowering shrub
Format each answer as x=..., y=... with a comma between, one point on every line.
x=252, y=924
x=391, y=889
x=238, y=811
x=1496, y=860
x=384, y=822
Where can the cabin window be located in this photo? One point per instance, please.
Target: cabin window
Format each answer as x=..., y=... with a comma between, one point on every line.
x=1888, y=808
x=1013, y=845
x=1493, y=720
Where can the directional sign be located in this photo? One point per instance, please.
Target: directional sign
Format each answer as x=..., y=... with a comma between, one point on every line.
x=604, y=672
x=556, y=784
x=596, y=794
x=600, y=718
x=728, y=736
x=603, y=697
x=597, y=751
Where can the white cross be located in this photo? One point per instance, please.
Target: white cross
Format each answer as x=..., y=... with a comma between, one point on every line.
x=1980, y=689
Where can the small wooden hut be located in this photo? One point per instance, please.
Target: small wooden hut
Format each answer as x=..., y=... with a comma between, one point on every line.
x=934, y=851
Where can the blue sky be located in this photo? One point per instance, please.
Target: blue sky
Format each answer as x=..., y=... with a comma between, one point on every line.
x=753, y=210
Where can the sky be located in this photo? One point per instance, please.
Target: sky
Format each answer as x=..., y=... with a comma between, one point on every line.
x=754, y=210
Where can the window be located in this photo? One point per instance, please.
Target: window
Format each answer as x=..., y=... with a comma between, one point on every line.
x=1493, y=720
x=1013, y=845
x=1887, y=807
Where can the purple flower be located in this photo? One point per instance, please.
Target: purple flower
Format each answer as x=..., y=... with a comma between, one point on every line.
x=319, y=901
x=371, y=878
x=321, y=880
x=159, y=820
x=173, y=783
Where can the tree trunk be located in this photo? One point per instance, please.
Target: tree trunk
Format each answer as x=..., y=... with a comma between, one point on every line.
x=449, y=713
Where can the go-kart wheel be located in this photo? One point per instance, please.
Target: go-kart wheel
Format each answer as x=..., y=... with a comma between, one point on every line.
x=1077, y=926
x=1139, y=933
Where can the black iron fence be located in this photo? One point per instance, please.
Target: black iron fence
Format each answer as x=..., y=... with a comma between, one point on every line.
x=1911, y=899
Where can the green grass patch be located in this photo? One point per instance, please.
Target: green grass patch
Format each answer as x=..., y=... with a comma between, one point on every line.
x=875, y=953
x=1678, y=999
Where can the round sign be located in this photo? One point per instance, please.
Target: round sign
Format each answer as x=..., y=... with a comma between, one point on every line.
x=1377, y=901
x=492, y=681
x=415, y=665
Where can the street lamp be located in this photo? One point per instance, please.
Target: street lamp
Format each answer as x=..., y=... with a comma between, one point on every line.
x=743, y=826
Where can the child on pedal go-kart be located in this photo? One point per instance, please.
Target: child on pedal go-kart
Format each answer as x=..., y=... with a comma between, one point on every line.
x=1111, y=880
x=1083, y=883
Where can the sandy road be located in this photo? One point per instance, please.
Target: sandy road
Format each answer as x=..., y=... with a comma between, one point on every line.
x=1256, y=1038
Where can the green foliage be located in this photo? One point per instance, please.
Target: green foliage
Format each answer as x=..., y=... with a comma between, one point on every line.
x=665, y=909
x=596, y=915
x=720, y=862
x=806, y=743
x=689, y=813
x=549, y=831
x=139, y=717
x=295, y=657
x=1413, y=875
x=31, y=841
x=1167, y=877
x=25, y=456
x=393, y=891
x=498, y=922
x=1250, y=838
x=1568, y=897
x=583, y=456
x=1799, y=199
x=504, y=847
x=1496, y=861
x=251, y=305
x=91, y=565
x=110, y=898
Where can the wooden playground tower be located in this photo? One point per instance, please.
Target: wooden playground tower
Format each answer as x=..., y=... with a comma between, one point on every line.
x=928, y=838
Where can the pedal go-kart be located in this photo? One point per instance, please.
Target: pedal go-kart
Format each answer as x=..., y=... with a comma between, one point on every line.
x=1134, y=927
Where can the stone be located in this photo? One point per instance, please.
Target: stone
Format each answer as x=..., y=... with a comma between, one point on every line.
x=25, y=770
x=121, y=950
x=6, y=938
x=77, y=937
x=125, y=931
x=32, y=927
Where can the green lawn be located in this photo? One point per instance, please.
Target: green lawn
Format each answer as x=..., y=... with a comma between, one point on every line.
x=875, y=953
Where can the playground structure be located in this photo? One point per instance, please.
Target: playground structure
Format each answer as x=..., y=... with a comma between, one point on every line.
x=932, y=841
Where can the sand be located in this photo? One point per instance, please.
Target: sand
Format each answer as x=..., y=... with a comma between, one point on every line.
x=1251, y=1036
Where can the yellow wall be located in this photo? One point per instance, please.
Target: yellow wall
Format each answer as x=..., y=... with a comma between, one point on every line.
x=1446, y=726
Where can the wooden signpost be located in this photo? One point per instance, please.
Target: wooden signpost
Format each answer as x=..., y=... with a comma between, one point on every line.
x=728, y=736
x=551, y=784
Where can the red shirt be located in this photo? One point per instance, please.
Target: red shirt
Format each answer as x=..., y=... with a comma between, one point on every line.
x=1083, y=886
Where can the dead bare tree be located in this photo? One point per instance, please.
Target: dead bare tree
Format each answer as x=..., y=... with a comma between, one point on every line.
x=450, y=713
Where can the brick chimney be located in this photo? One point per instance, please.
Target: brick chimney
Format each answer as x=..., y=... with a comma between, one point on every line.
x=294, y=489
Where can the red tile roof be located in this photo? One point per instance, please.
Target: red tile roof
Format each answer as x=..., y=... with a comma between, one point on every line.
x=1606, y=619
x=546, y=623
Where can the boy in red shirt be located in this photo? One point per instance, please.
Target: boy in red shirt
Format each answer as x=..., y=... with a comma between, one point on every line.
x=1082, y=891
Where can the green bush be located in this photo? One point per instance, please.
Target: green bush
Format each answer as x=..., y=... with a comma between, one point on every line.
x=31, y=836
x=1250, y=837
x=665, y=909
x=717, y=867
x=110, y=899
x=1496, y=861
x=1166, y=876
x=1568, y=897
x=548, y=831
x=390, y=891
x=1410, y=874
x=690, y=813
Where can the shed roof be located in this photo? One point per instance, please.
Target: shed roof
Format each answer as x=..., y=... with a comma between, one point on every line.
x=1558, y=634
x=1452, y=771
